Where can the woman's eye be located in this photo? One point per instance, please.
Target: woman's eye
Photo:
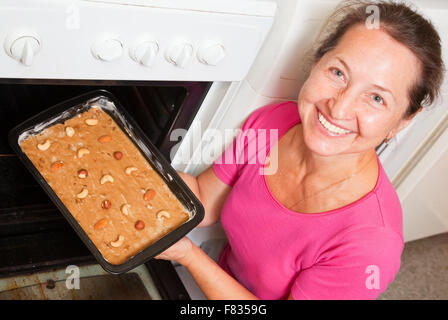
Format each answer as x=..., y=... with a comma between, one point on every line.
x=338, y=73
x=377, y=98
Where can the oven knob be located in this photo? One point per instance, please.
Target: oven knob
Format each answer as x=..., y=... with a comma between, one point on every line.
x=211, y=54
x=145, y=53
x=22, y=47
x=180, y=54
x=107, y=50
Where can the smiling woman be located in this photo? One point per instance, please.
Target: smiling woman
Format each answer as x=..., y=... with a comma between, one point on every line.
x=328, y=223
x=360, y=86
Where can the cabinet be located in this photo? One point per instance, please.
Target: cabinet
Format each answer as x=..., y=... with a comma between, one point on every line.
x=424, y=193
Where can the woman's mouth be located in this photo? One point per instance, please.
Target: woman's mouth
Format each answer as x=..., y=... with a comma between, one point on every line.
x=329, y=128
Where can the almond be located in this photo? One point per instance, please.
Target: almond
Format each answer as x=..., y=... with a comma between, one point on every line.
x=101, y=224
x=55, y=166
x=149, y=195
x=105, y=139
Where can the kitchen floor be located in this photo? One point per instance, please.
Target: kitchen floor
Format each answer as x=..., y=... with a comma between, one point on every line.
x=424, y=271
x=94, y=284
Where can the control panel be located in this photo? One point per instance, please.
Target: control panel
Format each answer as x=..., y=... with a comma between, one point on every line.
x=123, y=42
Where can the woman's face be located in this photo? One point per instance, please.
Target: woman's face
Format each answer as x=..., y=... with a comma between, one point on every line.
x=357, y=93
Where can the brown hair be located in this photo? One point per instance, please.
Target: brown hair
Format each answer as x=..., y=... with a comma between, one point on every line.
x=405, y=25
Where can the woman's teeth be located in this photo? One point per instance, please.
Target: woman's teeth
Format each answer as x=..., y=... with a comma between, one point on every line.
x=330, y=127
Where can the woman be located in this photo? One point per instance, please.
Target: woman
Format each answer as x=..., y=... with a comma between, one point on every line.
x=328, y=223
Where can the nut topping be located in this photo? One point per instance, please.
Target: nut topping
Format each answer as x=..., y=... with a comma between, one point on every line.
x=129, y=170
x=82, y=173
x=92, y=122
x=101, y=224
x=118, y=155
x=118, y=242
x=106, y=204
x=69, y=131
x=162, y=214
x=106, y=178
x=105, y=139
x=139, y=225
x=84, y=192
x=125, y=209
x=149, y=194
x=44, y=146
x=82, y=152
x=55, y=166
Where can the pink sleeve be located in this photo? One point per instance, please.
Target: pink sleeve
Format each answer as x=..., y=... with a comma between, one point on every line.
x=229, y=164
x=360, y=268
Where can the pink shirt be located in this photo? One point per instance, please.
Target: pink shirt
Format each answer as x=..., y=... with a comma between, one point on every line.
x=348, y=253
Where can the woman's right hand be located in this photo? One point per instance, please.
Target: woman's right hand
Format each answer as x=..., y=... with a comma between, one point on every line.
x=211, y=191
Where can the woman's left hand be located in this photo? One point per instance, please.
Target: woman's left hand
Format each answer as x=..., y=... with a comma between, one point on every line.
x=179, y=252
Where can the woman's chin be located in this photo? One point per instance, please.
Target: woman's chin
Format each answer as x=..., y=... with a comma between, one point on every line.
x=324, y=152
x=325, y=148
x=321, y=148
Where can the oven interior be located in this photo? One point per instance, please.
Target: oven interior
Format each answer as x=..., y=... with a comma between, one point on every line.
x=34, y=236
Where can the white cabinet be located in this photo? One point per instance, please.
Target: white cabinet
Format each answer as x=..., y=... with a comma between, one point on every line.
x=424, y=192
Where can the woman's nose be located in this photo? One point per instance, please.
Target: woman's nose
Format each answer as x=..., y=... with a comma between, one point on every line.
x=342, y=105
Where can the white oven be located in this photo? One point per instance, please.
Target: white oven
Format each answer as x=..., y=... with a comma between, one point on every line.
x=248, y=52
x=175, y=63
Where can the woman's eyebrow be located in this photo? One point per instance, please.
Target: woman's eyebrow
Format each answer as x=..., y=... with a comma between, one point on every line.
x=344, y=64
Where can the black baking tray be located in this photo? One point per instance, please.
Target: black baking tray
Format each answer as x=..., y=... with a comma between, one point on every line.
x=109, y=104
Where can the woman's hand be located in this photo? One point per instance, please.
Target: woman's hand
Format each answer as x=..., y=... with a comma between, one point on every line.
x=211, y=191
x=180, y=252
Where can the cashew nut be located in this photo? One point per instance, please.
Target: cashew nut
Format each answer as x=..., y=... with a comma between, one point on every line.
x=92, y=122
x=82, y=152
x=69, y=131
x=125, y=209
x=106, y=178
x=163, y=214
x=44, y=146
x=129, y=170
x=83, y=193
x=118, y=242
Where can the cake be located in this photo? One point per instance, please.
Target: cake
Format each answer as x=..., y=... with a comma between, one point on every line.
x=107, y=185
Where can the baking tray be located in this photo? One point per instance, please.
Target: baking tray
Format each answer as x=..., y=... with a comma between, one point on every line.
x=109, y=104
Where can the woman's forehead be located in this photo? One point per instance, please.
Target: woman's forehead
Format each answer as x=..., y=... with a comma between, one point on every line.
x=377, y=57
